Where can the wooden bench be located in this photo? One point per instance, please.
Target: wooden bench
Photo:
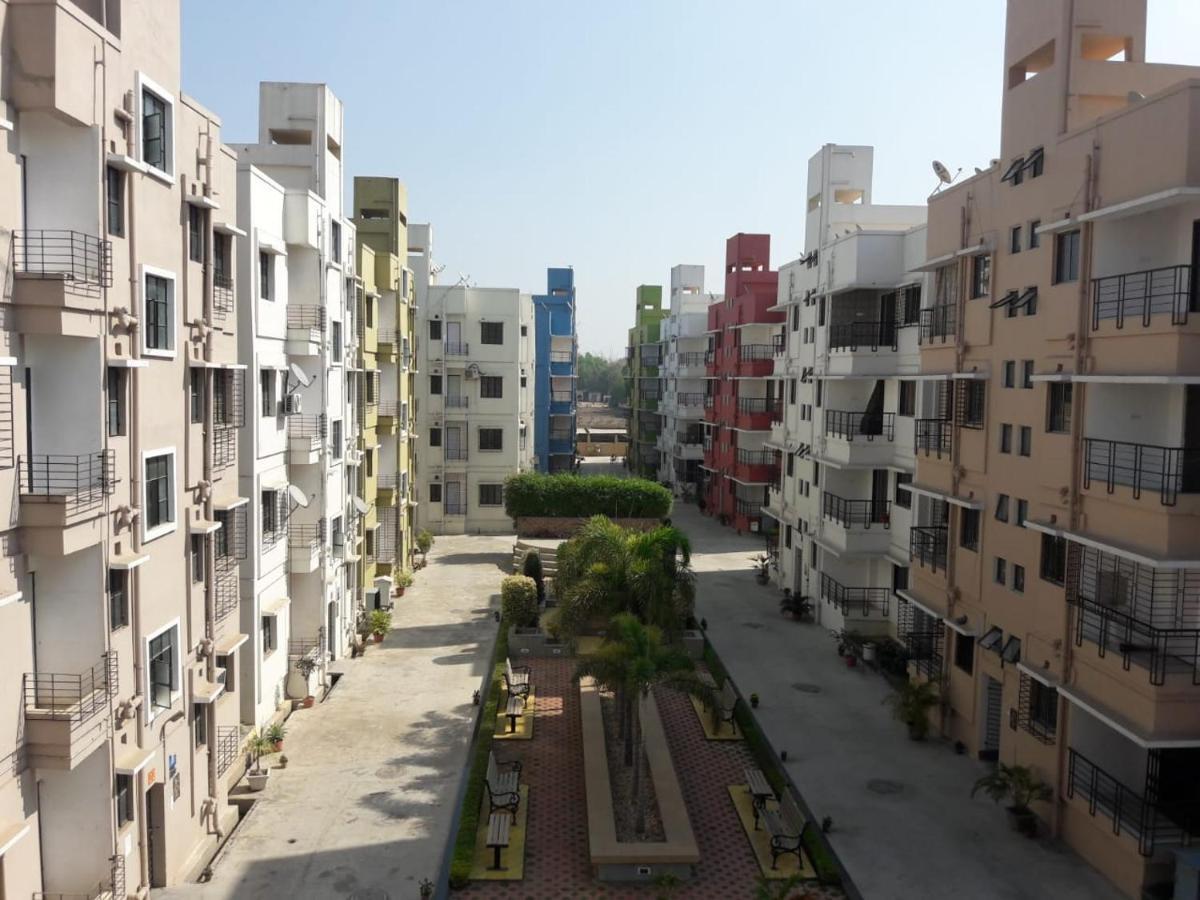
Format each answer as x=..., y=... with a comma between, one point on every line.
x=726, y=707
x=760, y=789
x=516, y=680
x=503, y=787
x=514, y=709
x=785, y=825
x=497, y=836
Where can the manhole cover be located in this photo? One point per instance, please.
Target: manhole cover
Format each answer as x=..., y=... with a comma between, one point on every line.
x=804, y=688
x=884, y=786
x=755, y=625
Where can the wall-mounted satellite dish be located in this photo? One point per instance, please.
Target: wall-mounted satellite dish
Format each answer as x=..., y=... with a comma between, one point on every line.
x=361, y=505
x=300, y=375
x=297, y=496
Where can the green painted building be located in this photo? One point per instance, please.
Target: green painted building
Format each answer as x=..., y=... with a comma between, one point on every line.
x=643, y=361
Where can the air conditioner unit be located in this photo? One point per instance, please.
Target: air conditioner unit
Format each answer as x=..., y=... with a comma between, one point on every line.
x=292, y=405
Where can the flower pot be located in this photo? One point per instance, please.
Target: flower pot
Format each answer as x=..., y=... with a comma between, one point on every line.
x=278, y=746
x=399, y=592
x=868, y=652
x=1022, y=821
x=378, y=638
x=917, y=731
x=308, y=701
x=851, y=660
x=256, y=781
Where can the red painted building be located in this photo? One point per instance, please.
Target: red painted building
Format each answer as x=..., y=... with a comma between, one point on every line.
x=740, y=403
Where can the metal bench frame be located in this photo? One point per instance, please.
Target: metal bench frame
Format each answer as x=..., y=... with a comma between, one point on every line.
x=500, y=796
x=785, y=825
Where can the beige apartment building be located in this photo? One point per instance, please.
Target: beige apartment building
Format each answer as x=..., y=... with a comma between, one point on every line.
x=1055, y=580
x=120, y=400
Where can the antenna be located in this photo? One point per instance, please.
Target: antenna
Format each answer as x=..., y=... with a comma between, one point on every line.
x=302, y=378
x=297, y=496
x=943, y=174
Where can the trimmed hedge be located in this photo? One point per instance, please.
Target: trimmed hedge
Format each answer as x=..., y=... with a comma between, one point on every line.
x=519, y=601
x=537, y=494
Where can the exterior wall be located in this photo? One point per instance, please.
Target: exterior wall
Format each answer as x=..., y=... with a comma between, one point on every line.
x=554, y=373
x=643, y=361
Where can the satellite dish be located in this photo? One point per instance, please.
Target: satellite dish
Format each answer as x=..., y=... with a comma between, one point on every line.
x=297, y=496
x=361, y=505
x=300, y=375
x=942, y=172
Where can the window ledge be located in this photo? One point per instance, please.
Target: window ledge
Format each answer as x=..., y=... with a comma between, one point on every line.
x=158, y=174
x=159, y=531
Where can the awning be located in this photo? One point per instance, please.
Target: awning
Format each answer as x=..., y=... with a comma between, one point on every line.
x=133, y=759
x=227, y=503
x=774, y=514
x=204, y=691
x=276, y=606
x=229, y=643
x=1104, y=544
x=127, y=560
x=274, y=481
x=1138, y=205
x=991, y=640
x=270, y=245
x=1012, y=650
x=202, y=526
x=928, y=610
x=938, y=261
x=964, y=502
x=125, y=163
x=1046, y=677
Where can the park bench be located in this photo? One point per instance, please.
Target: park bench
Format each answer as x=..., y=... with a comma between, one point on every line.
x=516, y=680
x=785, y=825
x=514, y=709
x=760, y=789
x=497, y=835
x=503, y=787
x=727, y=706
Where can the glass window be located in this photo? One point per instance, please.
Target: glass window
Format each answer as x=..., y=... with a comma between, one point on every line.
x=155, y=134
x=200, y=718
x=435, y=437
x=1010, y=373
x=435, y=385
x=116, y=401
x=118, y=598
x=270, y=639
x=981, y=275
x=491, y=387
x=435, y=492
x=1035, y=239
x=159, y=502
x=1006, y=438
x=267, y=389
x=1002, y=507
x=907, y=402
x=435, y=329
x=266, y=275
x=1058, y=414
x=969, y=529
x=1014, y=239
x=964, y=652
x=1027, y=374
x=491, y=494
x=1018, y=581
x=1054, y=559
x=125, y=798
x=195, y=233
x=903, y=496
x=159, y=313
x=491, y=438
x=1026, y=441
x=337, y=340
x=335, y=240
x=115, y=194
x=164, y=679
x=1001, y=571
x=1066, y=257
x=197, y=555
x=491, y=332
x=196, y=396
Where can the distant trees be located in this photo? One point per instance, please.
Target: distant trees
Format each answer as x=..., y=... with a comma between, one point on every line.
x=602, y=375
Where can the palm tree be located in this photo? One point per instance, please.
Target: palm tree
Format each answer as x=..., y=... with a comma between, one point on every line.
x=660, y=574
x=632, y=660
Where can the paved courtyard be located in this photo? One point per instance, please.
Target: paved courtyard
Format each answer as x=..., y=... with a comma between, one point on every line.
x=364, y=807
x=904, y=825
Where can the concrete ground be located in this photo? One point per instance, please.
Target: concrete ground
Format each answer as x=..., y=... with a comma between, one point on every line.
x=364, y=808
x=905, y=826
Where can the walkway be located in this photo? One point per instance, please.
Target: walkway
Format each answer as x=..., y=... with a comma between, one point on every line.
x=364, y=807
x=904, y=824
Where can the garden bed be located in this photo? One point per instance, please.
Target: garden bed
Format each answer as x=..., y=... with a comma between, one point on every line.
x=620, y=777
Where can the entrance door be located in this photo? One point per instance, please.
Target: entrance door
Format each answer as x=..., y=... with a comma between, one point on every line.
x=887, y=320
x=453, y=441
x=453, y=389
x=880, y=482
x=453, y=491
x=1191, y=439
x=453, y=334
x=156, y=849
x=993, y=700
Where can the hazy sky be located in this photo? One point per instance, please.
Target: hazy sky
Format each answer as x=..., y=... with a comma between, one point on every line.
x=624, y=136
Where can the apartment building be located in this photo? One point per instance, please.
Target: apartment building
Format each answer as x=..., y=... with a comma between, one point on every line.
x=643, y=360
x=1055, y=579
x=120, y=401
x=385, y=495
x=846, y=360
x=303, y=279
x=475, y=397
x=554, y=373
x=684, y=334
x=738, y=467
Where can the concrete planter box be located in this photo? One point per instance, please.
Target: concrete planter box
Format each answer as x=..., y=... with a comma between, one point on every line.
x=533, y=642
x=614, y=860
x=693, y=643
x=566, y=526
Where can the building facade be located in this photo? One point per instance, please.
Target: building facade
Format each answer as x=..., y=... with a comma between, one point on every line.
x=1055, y=584
x=643, y=360
x=555, y=352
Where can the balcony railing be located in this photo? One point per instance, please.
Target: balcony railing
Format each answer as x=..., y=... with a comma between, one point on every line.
x=779, y=344
x=858, y=602
x=310, y=318
x=938, y=324
x=561, y=356
x=307, y=426
x=856, y=513
x=748, y=352
x=1168, y=471
x=454, y=507
x=222, y=294
x=229, y=739
x=1143, y=295
x=567, y=397
x=688, y=439
x=863, y=336
x=927, y=545
x=69, y=255
x=753, y=405
x=455, y=453
x=1151, y=823
x=755, y=457
x=306, y=537
x=751, y=508
x=690, y=399
x=451, y=348
x=386, y=337
x=1161, y=651
x=71, y=698
x=456, y=401
x=848, y=424
x=82, y=481
x=933, y=436
x=691, y=358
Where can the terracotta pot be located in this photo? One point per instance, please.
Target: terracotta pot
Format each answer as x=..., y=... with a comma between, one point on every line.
x=851, y=661
x=278, y=746
x=378, y=637
x=309, y=701
x=400, y=592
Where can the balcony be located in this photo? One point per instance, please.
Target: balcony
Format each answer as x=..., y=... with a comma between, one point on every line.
x=1165, y=472
x=66, y=716
x=857, y=439
x=928, y=546
x=562, y=442
x=856, y=527
x=304, y=546
x=62, y=500
x=752, y=509
x=855, y=336
x=691, y=364
x=756, y=466
x=689, y=405
x=754, y=413
x=386, y=486
x=454, y=454
x=1137, y=297
x=938, y=325
x=452, y=348
x=755, y=360
x=306, y=326
x=60, y=277
x=456, y=402
x=933, y=437
x=562, y=403
x=863, y=604
x=306, y=439
x=562, y=362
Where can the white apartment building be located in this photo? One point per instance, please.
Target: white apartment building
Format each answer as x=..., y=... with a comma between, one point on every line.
x=475, y=396
x=847, y=357
x=684, y=385
x=301, y=268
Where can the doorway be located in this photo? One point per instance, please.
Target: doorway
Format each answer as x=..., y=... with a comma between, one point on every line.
x=887, y=320
x=1194, y=283
x=1190, y=464
x=453, y=336
x=993, y=701
x=156, y=849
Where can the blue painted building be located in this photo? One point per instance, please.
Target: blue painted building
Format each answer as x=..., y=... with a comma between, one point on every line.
x=554, y=373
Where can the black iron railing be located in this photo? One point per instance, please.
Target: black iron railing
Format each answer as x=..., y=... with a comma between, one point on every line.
x=752, y=352
x=856, y=513
x=923, y=638
x=71, y=255
x=454, y=508
x=938, y=324
x=848, y=424
x=755, y=457
x=455, y=453
x=1145, y=294
x=456, y=349
x=690, y=399
x=863, y=336
x=222, y=295
x=72, y=698
x=859, y=602
x=229, y=739
x=754, y=404
x=1161, y=651
x=932, y=436
x=1168, y=471
x=82, y=480
x=692, y=358
x=224, y=446
x=927, y=544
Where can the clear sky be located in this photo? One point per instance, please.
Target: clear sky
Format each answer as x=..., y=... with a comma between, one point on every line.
x=624, y=136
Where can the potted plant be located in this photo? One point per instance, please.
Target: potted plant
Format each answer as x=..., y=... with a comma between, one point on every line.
x=404, y=579
x=424, y=543
x=426, y=887
x=256, y=776
x=754, y=701
x=799, y=608
x=275, y=734
x=380, y=623
x=911, y=704
x=1022, y=786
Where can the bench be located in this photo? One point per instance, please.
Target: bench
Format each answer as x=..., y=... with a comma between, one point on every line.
x=760, y=789
x=514, y=708
x=785, y=825
x=726, y=707
x=516, y=680
x=497, y=836
x=503, y=787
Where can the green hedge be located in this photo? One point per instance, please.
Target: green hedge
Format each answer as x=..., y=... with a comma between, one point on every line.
x=519, y=601
x=536, y=494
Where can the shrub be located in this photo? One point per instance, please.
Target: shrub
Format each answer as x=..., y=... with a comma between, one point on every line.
x=532, y=567
x=424, y=540
x=518, y=601
x=404, y=578
x=538, y=494
x=379, y=621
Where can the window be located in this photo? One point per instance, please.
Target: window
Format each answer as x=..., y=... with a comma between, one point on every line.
x=787, y=537
x=225, y=664
x=491, y=438
x=899, y=578
x=114, y=183
x=1001, y=573
x=266, y=275
x=337, y=340
x=491, y=387
x=1035, y=163
x=1018, y=582
x=523, y=381
x=1010, y=373
x=971, y=406
x=1002, y=507
x=795, y=318
x=792, y=392
x=195, y=233
x=270, y=515
x=435, y=329
x=791, y=465
x=981, y=275
x=196, y=548
x=118, y=598
x=820, y=391
x=159, y=506
x=491, y=495
x=1066, y=257
x=126, y=799
x=1035, y=239
x=267, y=384
x=157, y=136
x=116, y=401
x=1014, y=239
x=1058, y=413
x=1039, y=709
x=270, y=634
x=335, y=240
x=162, y=668
x=968, y=535
x=158, y=292
x=435, y=385
x=903, y=496
x=1026, y=441
x=821, y=312
x=1054, y=559
x=435, y=437
x=911, y=305
x=435, y=492
x=907, y=402
x=1022, y=513
x=964, y=652
x=1027, y=374
x=491, y=332
x=196, y=396
x=1006, y=438
x=335, y=432
x=200, y=718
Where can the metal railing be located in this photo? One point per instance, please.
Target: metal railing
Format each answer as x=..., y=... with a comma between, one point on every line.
x=224, y=446
x=310, y=318
x=389, y=410
x=58, y=253
x=938, y=324
x=455, y=453
x=928, y=545
x=307, y=426
x=456, y=348
x=755, y=457
x=1143, y=294
x=226, y=594
x=1168, y=471
x=752, y=508
x=856, y=513
x=779, y=344
x=1161, y=651
x=561, y=356
x=222, y=295
x=753, y=405
x=863, y=602
x=81, y=480
x=932, y=436
x=385, y=337
x=306, y=537
x=387, y=481
x=456, y=401
x=689, y=399
x=709, y=401
x=229, y=741
x=847, y=424
x=457, y=508
x=691, y=358
x=71, y=698
x=752, y=352
x=863, y=335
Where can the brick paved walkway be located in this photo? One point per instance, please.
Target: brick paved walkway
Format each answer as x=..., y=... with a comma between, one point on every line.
x=556, y=857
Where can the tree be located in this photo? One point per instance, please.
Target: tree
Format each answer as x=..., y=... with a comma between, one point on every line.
x=605, y=376
x=630, y=662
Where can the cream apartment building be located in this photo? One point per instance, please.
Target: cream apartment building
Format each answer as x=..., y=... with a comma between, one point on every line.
x=1055, y=584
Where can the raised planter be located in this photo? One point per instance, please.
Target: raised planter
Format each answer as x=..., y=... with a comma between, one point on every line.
x=693, y=643
x=614, y=860
x=534, y=642
x=566, y=526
